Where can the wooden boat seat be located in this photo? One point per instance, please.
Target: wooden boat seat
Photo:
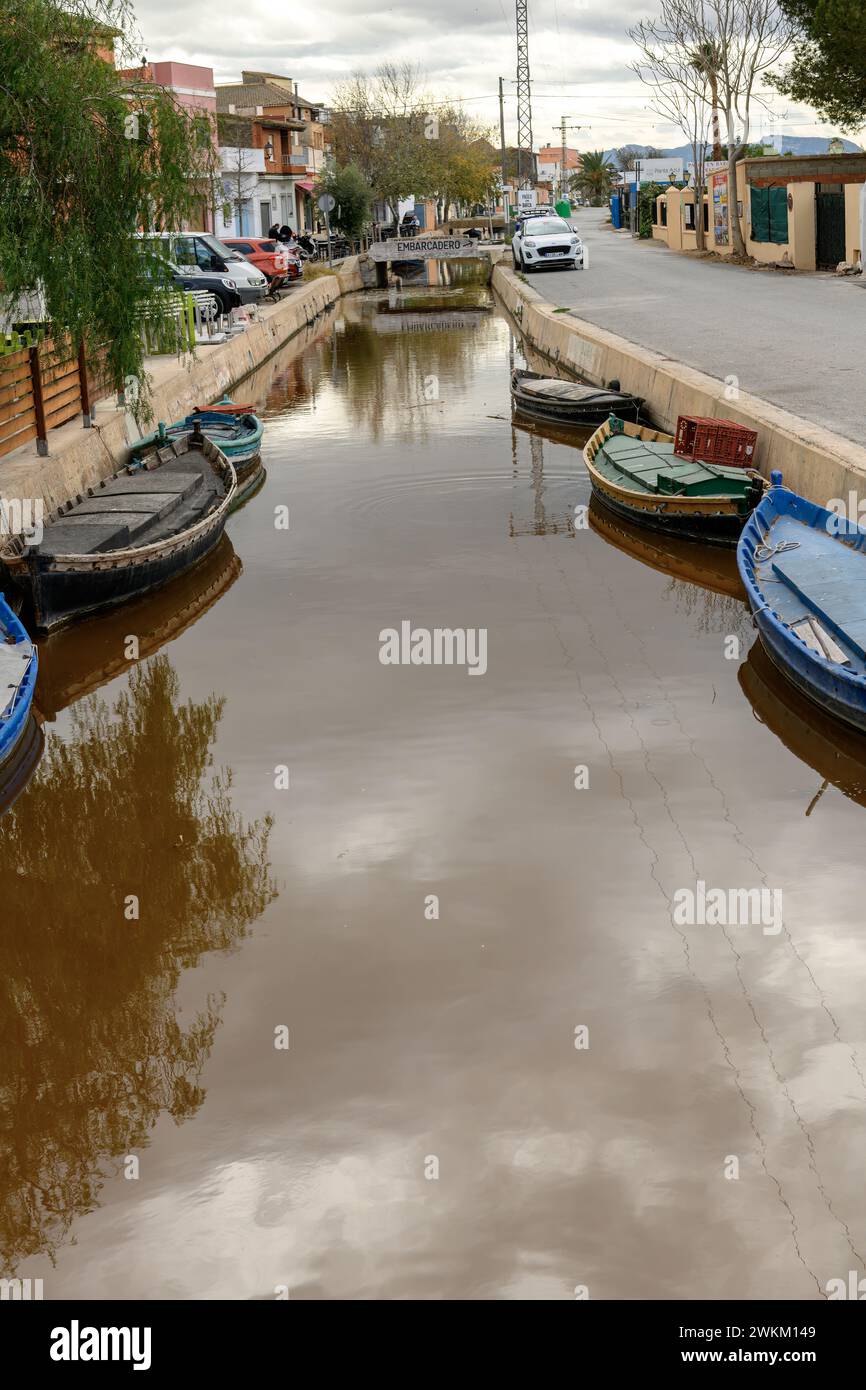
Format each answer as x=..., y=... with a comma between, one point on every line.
x=828, y=579
x=127, y=511
x=654, y=467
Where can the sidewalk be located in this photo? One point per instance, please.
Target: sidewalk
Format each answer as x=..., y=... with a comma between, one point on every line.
x=797, y=340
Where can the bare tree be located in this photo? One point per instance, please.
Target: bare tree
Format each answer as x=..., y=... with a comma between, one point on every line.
x=680, y=91
x=746, y=39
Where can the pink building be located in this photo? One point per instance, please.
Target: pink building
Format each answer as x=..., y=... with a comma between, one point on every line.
x=193, y=87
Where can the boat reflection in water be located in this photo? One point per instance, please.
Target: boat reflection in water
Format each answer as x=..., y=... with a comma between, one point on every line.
x=76, y=661
x=709, y=567
x=16, y=773
x=836, y=752
x=126, y=808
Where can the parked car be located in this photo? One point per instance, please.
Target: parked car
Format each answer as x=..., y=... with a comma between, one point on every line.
x=547, y=242
x=222, y=288
x=207, y=253
x=270, y=257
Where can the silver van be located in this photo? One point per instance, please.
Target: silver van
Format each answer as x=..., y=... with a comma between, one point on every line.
x=204, y=251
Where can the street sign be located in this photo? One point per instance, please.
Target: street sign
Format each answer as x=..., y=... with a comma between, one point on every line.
x=327, y=202
x=423, y=248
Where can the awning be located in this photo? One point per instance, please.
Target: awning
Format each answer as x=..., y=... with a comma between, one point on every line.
x=307, y=185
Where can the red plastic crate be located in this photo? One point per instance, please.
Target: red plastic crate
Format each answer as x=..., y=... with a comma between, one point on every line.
x=715, y=441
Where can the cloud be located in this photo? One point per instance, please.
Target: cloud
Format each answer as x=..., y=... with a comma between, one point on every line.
x=579, y=55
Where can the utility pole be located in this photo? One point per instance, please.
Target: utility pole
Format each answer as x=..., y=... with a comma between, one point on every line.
x=524, y=99
x=563, y=168
x=505, y=208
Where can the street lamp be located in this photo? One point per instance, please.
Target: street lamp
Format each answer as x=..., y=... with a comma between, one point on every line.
x=269, y=149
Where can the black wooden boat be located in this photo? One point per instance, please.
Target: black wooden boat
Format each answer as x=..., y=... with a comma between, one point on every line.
x=569, y=402
x=132, y=533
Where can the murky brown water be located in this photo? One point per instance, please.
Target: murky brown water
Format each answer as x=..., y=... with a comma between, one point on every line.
x=419, y=1042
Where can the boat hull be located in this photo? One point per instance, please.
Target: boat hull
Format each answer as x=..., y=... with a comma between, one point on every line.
x=710, y=527
x=827, y=684
x=64, y=590
x=15, y=715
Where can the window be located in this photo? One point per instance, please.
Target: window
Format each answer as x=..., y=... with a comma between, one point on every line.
x=664, y=211
x=243, y=246
x=769, y=213
x=184, y=250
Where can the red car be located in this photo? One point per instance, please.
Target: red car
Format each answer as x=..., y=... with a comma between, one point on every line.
x=270, y=257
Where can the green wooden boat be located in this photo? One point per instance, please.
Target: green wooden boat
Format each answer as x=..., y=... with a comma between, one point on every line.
x=634, y=471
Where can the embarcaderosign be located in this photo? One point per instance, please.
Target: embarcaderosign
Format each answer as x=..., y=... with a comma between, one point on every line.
x=417, y=248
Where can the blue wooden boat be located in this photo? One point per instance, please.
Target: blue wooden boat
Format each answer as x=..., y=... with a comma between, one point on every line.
x=804, y=572
x=19, y=664
x=234, y=428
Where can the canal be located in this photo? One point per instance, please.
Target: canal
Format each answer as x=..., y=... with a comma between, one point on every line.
x=340, y=979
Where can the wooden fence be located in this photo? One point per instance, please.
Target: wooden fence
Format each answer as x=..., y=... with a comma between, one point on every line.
x=44, y=384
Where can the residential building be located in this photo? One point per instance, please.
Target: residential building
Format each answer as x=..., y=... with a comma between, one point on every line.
x=273, y=146
x=192, y=87
x=806, y=210
x=549, y=161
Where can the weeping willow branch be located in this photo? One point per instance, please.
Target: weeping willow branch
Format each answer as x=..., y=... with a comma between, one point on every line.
x=78, y=178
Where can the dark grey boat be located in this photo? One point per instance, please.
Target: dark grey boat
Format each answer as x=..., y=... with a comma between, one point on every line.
x=570, y=402
x=133, y=533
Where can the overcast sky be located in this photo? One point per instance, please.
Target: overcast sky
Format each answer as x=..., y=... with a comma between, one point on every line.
x=579, y=56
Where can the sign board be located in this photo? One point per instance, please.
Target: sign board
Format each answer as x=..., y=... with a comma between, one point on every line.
x=423, y=248
x=720, y=209
x=327, y=202
x=656, y=171
x=527, y=199
x=711, y=166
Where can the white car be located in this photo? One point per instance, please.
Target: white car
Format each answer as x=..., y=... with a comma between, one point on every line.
x=546, y=241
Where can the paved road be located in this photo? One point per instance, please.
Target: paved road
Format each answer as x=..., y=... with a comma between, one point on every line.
x=797, y=341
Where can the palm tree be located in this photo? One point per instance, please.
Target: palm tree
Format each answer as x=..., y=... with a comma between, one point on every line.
x=707, y=59
x=595, y=176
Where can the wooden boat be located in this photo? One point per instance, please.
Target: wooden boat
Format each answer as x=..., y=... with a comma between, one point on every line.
x=19, y=664
x=634, y=471
x=804, y=572
x=569, y=402
x=132, y=533
x=835, y=751
x=234, y=428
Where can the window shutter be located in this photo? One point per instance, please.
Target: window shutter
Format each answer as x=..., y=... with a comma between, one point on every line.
x=760, y=205
x=778, y=203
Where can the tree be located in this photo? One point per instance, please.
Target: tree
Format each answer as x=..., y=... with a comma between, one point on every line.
x=594, y=178
x=747, y=39
x=828, y=70
x=383, y=125
x=680, y=90
x=87, y=157
x=706, y=60
x=351, y=192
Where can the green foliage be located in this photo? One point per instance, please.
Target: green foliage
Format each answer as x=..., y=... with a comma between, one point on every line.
x=351, y=191
x=87, y=157
x=828, y=70
x=594, y=179
x=645, y=205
